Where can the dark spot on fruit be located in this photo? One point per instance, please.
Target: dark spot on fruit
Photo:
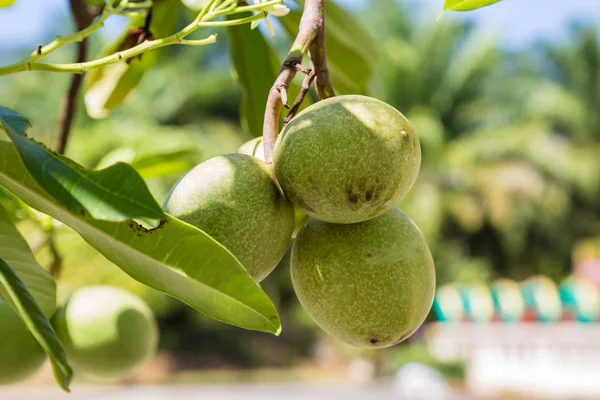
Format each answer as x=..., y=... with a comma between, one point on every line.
x=369, y=255
x=373, y=341
x=351, y=196
x=273, y=317
x=368, y=195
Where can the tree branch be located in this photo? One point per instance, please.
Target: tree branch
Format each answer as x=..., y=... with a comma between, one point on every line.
x=83, y=18
x=311, y=36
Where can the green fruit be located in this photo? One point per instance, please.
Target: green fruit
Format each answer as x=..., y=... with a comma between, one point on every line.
x=369, y=284
x=107, y=332
x=20, y=354
x=234, y=199
x=347, y=159
x=254, y=147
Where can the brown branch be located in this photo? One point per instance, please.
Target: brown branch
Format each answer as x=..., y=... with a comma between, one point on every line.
x=83, y=18
x=311, y=36
x=308, y=80
x=56, y=264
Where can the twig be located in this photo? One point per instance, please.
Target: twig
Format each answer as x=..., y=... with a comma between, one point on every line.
x=204, y=19
x=308, y=80
x=312, y=26
x=83, y=18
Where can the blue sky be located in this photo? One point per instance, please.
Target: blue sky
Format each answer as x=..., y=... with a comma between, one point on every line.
x=516, y=22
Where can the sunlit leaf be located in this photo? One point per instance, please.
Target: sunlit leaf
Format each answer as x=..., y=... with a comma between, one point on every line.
x=116, y=193
x=175, y=258
x=466, y=5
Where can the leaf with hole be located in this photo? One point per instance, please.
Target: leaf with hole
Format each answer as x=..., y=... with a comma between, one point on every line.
x=174, y=258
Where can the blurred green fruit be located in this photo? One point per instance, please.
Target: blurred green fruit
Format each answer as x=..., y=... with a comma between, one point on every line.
x=234, y=199
x=347, y=159
x=20, y=354
x=253, y=147
x=107, y=332
x=369, y=284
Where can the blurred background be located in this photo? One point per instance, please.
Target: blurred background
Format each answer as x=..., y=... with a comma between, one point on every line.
x=506, y=102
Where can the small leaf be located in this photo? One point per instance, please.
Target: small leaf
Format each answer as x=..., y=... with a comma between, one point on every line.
x=255, y=63
x=175, y=258
x=106, y=88
x=466, y=5
x=16, y=252
x=116, y=193
x=6, y=3
x=39, y=326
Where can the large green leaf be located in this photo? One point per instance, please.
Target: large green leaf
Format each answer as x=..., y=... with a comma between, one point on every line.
x=33, y=316
x=466, y=5
x=256, y=68
x=175, y=258
x=106, y=88
x=16, y=252
x=6, y=3
x=350, y=49
x=117, y=193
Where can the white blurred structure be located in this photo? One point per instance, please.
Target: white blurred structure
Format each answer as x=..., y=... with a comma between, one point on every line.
x=540, y=360
x=416, y=381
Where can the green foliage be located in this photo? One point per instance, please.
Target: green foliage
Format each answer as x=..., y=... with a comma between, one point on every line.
x=6, y=3
x=419, y=353
x=106, y=88
x=466, y=5
x=201, y=272
x=116, y=193
x=33, y=316
x=256, y=68
x=15, y=251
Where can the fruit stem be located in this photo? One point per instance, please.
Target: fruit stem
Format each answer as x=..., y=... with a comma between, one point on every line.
x=311, y=38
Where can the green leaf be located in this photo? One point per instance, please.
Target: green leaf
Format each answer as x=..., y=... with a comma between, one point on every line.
x=255, y=63
x=155, y=164
x=16, y=252
x=106, y=88
x=116, y=193
x=175, y=258
x=6, y=3
x=350, y=49
x=466, y=5
x=39, y=326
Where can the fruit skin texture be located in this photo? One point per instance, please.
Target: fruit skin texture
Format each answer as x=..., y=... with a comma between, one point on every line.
x=369, y=284
x=347, y=159
x=107, y=332
x=20, y=354
x=234, y=199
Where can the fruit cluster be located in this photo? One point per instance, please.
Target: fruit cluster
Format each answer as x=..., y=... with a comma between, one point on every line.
x=360, y=267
